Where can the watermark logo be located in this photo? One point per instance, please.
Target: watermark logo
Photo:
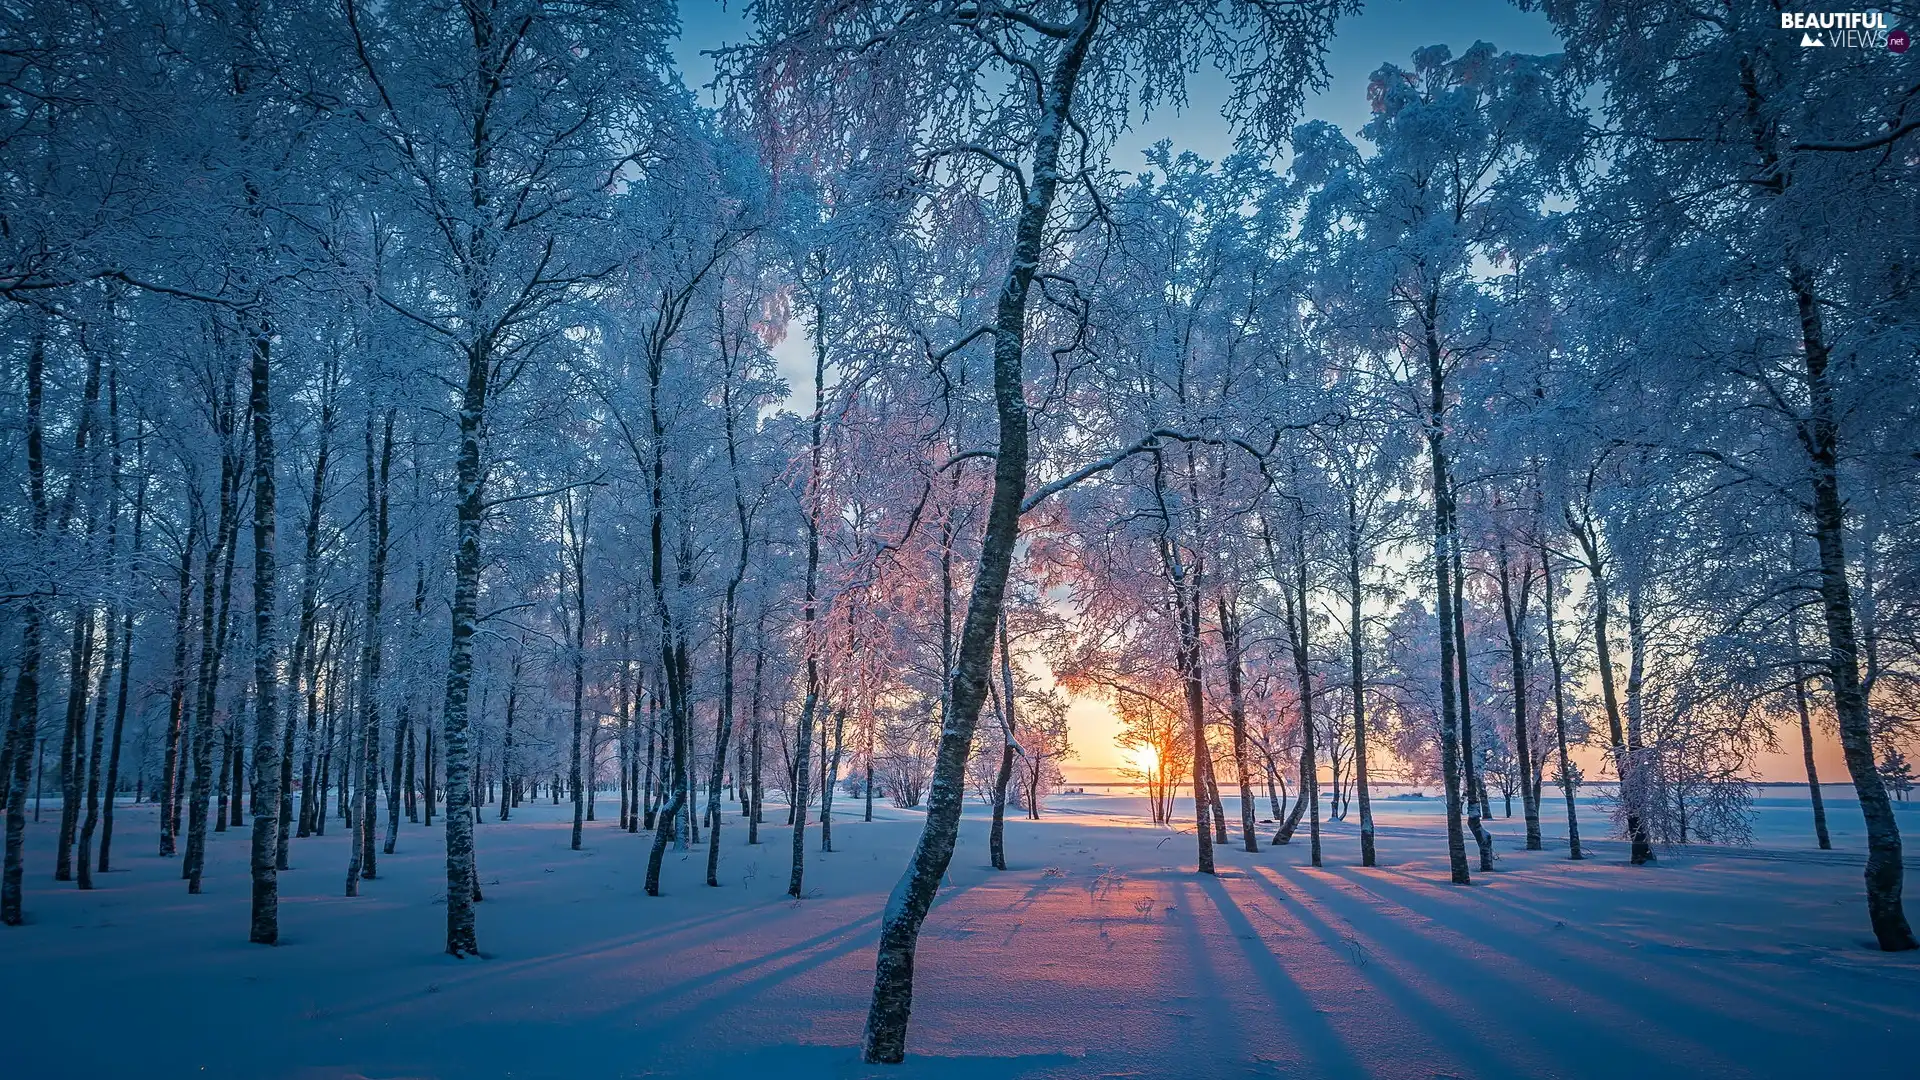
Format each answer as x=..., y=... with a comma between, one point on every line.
x=1844, y=30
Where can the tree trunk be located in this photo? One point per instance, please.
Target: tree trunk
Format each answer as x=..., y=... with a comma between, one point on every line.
x=1308, y=804
x=1186, y=613
x=757, y=791
x=1477, y=809
x=23, y=713
x=216, y=573
x=120, y=695
x=886, y=1033
x=1237, y=714
x=396, y=775
x=264, y=926
x=1625, y=761
x=169, y=790
x=462, y=939
x=1559, y=691
x=1443, y=541
x=506, y=754
x=378, y=474
x=1357, y=684
x=1514, y=611
x=1003, y=707
x=809, y=612
x=578, y=549
x=72, y=742
x=1806, y=736
x=427, y=796
x=84, y=856
x=1885, y=868
x=673, y=648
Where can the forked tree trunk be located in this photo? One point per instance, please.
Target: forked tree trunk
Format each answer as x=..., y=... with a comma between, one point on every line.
x=83, y=857
x=216, y=574
x=673, y=649
x=1625, y=761
x=1308, y=803
x=120, y=695
x=73, y=739
x=729, y=619
x=758, y=791
x=832, y=779
x=83, y=486
x=1513, y=607
x=1567, y=786
x=1477, y=809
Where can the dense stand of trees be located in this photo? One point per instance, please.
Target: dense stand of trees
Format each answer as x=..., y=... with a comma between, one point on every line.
x=394, y=406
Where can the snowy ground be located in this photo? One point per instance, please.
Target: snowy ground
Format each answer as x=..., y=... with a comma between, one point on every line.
x=1099, y=954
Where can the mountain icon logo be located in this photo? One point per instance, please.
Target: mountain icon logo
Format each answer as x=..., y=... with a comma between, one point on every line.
x=1808, y=41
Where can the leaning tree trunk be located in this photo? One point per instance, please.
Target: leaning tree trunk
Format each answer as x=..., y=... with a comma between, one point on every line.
x=886, y=1033
x=1885, y=867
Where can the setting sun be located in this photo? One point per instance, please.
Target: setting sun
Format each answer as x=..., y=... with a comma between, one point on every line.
x=1143, y=759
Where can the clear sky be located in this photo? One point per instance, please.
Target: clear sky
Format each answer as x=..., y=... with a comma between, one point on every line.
x=1385, y=31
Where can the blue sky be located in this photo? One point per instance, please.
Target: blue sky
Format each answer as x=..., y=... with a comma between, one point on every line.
x=1384, y=31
